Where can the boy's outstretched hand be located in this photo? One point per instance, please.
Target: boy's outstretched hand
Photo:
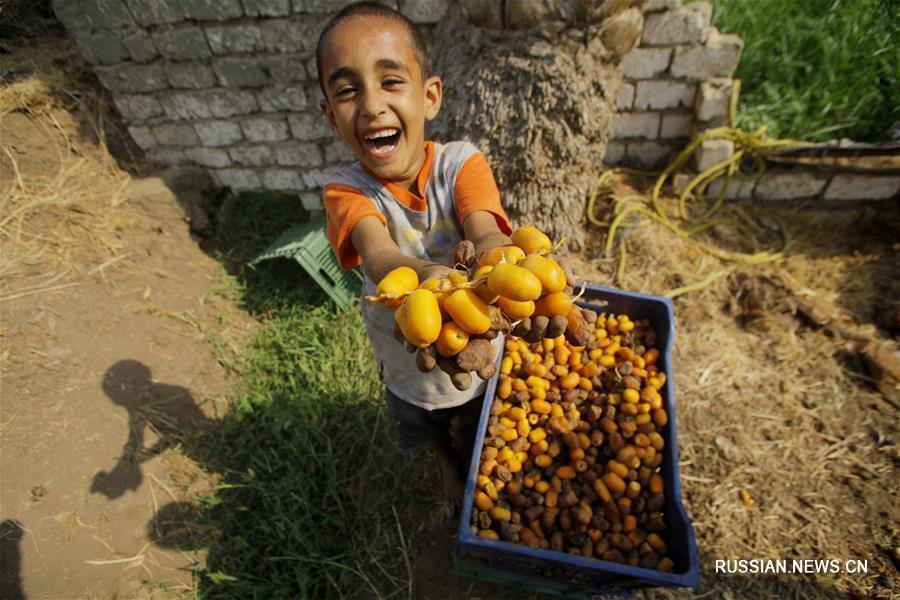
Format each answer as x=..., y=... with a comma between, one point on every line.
x=449, y=319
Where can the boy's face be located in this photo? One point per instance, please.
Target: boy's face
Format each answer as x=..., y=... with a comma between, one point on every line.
x=375, y=98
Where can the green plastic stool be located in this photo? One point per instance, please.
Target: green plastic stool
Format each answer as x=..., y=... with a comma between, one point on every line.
x=308, y=245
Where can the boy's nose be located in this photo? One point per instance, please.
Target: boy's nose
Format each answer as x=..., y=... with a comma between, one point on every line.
x=373, y=105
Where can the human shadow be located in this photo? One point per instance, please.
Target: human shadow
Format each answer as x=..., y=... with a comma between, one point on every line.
x=169, y=411
x=11, y=534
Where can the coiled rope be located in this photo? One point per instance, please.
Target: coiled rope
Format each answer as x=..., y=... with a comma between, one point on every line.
x=747, y=145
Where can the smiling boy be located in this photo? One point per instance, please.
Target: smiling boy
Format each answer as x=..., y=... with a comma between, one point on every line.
x=405, y=202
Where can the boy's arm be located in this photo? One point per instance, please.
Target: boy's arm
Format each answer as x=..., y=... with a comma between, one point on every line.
x=480, y=228
x=380, y=254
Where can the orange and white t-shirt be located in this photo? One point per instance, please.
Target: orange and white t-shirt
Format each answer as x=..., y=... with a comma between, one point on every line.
x=454, y=182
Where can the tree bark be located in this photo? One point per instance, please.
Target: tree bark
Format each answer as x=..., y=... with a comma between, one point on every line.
x=537, y=97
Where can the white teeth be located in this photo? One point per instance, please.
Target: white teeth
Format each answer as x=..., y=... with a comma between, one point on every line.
x=382, y=134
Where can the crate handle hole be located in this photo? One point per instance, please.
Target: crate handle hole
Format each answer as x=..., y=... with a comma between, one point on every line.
x=327, y=277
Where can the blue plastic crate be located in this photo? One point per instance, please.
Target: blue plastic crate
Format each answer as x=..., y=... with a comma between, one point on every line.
x=566, y=574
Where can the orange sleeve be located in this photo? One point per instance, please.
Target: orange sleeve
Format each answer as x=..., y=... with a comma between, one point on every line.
x=475, y=189
x=345, y=206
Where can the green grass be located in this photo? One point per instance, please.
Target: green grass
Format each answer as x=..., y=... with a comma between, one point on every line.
x=816, y=69
x=315, y=499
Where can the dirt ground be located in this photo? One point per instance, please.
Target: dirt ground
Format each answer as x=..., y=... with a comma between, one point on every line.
x=109, y=302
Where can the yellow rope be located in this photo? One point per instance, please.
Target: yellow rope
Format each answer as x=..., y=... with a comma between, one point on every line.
x=746, y=145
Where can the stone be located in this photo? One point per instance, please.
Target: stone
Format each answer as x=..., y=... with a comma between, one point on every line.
x=309, y=126
x=185, y=106
x=303, y=154
x=676, y=125
x=73, y=17
x=142, y=136
x=621, y=32
x=267, y=8
x=107, y=14
x=265, y=129
x=256, y=156
x=614, y=153
x=138, y=107
x=176, y=134
x=237, y=179
x=213, y=10
x=291, y=35
x=190, y=75
x=688, y=24
x=155, y=12
x=142, y=78
x=328, y=6
x=208, y=157
x=312, y=201
x=105, y=49
x=712, y=100
x=282, y=180
x=167, y=156
x=656, y=94
x=648, y=154
x=239, y=72
x=635, y=125
x=711, y=152
x=284, y=68
x=626, y=97
x=788, y=185
x=185, y=42
x=858, y=186
x=290, y=98
x=484, y=13
x=318, y=178
x=646, y=63
x=140, y=47
x=424, y=11
x=228, y=103
x=718, y=58
x=230, y=39
x=738, y=189
x=661, y=5
x=218, y=133
x=109, y=77
x=336, y=151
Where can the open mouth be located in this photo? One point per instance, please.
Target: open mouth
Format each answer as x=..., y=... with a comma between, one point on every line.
x=382, y=142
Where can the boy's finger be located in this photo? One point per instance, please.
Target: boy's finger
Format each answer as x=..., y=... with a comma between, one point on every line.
x=464, y=255
x=426, y=359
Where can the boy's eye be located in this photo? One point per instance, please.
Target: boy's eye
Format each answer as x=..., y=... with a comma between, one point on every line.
x=392, y=82
x=344, y=91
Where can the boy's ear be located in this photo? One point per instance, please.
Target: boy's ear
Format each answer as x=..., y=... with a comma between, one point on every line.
x=433, y=93
x=329, y=116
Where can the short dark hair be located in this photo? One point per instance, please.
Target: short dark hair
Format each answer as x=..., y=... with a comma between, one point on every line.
x=375, y=9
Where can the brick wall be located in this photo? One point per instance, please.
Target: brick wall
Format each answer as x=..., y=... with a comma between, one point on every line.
x=677, y=82
x=230, y=85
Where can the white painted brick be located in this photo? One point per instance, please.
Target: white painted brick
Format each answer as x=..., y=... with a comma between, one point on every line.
x=138, y=107
x=185, y=106
x=626, y=97
x=237, y=179
x=304, y=154
x=738, y=189
x=712, y=100
x=646, y=63
x=614, y=154
x=167, y=156
x=424, y=11
x=657, y=94
x=857, y=186
x=775, y=185
x=311, y=200
x=142, y=136
x=648, y=154
x=337, y=151
x=265, y=129
x=711, y=152
x=635, y=125
x=676, y=125
x=256, y=156
x=309, y=126
x=317, y=178
x=218, y=133
x=282, y=179
x=208, y=157
x=685, y=25
x=718, y=58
